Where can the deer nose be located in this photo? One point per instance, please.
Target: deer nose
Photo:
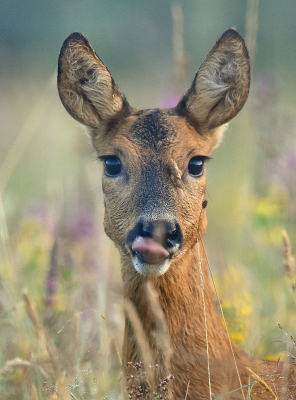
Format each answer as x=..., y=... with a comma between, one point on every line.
x=165, y=233
x=154, y=241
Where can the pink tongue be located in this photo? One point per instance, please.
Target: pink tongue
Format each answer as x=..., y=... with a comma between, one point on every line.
x=150, y=250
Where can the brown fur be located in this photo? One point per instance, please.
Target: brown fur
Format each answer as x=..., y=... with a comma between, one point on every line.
x=165, y=321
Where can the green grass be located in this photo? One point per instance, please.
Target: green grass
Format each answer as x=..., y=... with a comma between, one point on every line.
x=61, y=314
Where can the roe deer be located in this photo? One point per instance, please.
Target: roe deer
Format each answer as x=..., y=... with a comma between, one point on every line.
x=154, y=185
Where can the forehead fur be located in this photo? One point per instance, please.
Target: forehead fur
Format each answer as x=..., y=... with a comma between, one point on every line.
x=152, y=129
x=157, y=131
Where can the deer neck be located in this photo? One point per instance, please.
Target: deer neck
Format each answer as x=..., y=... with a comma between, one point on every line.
x=186, y=299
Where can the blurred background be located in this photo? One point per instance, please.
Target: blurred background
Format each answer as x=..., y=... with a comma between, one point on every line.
x=60, y=284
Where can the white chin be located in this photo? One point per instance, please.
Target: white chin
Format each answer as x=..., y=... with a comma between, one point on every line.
x=151, y=269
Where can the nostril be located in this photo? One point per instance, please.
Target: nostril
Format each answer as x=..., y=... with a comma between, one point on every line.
x=166, y=234
x=174, y=236
x=170, y=229
x=147, y=229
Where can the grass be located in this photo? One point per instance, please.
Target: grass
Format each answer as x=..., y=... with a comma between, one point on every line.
x=61, y=316
x=61, y=313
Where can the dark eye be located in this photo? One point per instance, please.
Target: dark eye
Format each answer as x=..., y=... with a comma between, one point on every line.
x=112, y=166
x=196, y=166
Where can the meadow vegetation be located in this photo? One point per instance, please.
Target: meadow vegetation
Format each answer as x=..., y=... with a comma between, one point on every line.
x=61, y=314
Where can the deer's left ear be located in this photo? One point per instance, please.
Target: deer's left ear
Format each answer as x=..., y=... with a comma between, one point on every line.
x=86, y=88
x=221, y=86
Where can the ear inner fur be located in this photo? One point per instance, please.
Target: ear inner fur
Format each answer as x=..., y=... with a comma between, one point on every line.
x=85, y=85
x=221, y=85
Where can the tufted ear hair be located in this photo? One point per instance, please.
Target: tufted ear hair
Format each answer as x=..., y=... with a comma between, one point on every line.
x=221, y=85
x=86, y=88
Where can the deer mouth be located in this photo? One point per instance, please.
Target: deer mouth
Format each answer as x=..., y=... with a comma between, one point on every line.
x=149, y=251
x=149, y=257
x=153, y=244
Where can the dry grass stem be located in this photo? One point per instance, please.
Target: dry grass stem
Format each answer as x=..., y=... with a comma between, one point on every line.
x=15, y=363
x=161, y=334
x=4, y=238
x=205, y=316
x=187, y=390
x=60, y=373
x=3, y=224
x=139, y=332
x=289, y=260
x=62, y=387
x=48, y=348
x=223, y=317
x=69, y=321
x=180, y=62
x=113, y=341
x=34, y=393
x=38, y=328
x=262, y=383
x=25, y=135
x=252, y=28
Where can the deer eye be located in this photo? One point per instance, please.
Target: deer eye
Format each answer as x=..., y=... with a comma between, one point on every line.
x=196, y=166
x=112, y=166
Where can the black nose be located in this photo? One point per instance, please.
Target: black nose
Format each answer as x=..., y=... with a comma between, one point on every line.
x=168, y=234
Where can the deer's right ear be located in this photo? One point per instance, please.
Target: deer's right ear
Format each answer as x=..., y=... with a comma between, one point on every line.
x=86, y=88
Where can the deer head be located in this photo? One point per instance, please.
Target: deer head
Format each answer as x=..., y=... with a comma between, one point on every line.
x=154, y=160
